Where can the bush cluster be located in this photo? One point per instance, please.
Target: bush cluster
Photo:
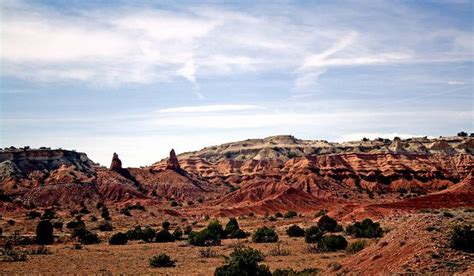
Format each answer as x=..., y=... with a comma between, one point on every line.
x=328, y=224
x=290, y=214
x=356, y=246
x=118, y=239
x=313, y=234
x=332, y=243
x=462, y=238
x=85, y=236
x=243, y=261
x=291, y=272
x=147, y=234
x=365, y=229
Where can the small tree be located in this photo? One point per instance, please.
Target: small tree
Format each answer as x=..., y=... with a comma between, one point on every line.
x=243, y=261
x=164, y=236
x=204, y=238
x=165, y=224
x=295, y=231
x=44, y=232
x=264, y=234
x=118, y=239
x=290, y=214
x=313, y=234
x=233, y=231
x=462, y=238
x=162, y=260
x=365, y=229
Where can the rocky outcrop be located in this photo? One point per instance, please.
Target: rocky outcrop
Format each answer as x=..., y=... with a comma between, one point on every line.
x=116, y=164
x=173, y=163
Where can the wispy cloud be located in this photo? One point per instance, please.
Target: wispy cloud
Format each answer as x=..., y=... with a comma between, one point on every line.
x=210, y=108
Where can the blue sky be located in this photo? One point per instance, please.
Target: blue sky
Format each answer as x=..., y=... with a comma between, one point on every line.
x=139, y=78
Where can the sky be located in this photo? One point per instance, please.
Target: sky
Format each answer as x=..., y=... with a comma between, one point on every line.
x=139, y=78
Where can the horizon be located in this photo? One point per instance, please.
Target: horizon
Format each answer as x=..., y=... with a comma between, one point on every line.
x=139, y=80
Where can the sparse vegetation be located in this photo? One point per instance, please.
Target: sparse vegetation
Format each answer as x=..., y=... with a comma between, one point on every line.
x=164, y=236
x=85, y=236
x=118, y=239
x=332, y=243
x=321, y=213
x=291, y=272
x=33, y=214
x=365, y=229
x=162, y=260
x=264, y=235
x=279, y=250
x=207, y=253
x=313, y=234
x=243, y=261
x=105, y=226
x=290, y=214
x=328, y=224
x=233, y=231
x=356, y=246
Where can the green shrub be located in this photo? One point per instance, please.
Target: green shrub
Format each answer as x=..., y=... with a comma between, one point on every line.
x=290, y=214
x=356, y=246
x=295, y=231
x=243, y=261
x=126, y=212
x=233, y=231
x=204, y=238
x=188, y=229
x=58, y=225
x=75, y=224
x=216, y=228
x=328, y=224
x=162, y=260
x=177, y=233
x=272, y=218
x=48, y=214
x=44, y=232
x=332, y=243
x=105, y=226
x=85, y=236
x=165, y=224
x=462, y=238
x=365, y=229
x=264, y=234
x=278, y=215
x=105, y=213
x=321, y=213
x=164, y=236
x=313, y=234
x=148, y=234
x=173, y=203
x=118, y=239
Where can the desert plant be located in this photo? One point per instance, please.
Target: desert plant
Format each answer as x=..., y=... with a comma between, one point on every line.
x=75, y=224
x=48, y=214
x=39, y=250
x=173, y=203
x=313, y=234
x=462, y=238
x=164, y=236
x=291, y=272
x=118, y=239
x=243, y=261
x=58, y=225
x=207, y=253
x=165, y=224
x=148, y=234
x=177, y=233
x=356, y=246
x=105, y=226
x=289, y=214
x=321, y=213
x=295, y=231
x=233, y=231
x=162, y=260
x=265, y=234
x=328, y=224
x=279, y=250
x=204, y=238
x=365, y=229
x=332, y=243
x=33, y=214
x=188, y=229
x=85, y=236
x=44, y=232
x=278, y=215
x=105, y=213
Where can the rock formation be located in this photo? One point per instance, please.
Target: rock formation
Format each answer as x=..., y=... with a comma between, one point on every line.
x=172, y=163
x=116, y=164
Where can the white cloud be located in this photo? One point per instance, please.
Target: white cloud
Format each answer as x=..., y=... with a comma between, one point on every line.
x=210, y=108
x=454, y=82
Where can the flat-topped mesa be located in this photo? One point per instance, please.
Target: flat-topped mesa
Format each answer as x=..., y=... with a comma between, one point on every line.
x=173, y=163
x=116, y=164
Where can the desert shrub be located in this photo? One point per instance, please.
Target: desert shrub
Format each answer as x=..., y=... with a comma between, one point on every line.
x=462, y=134
x=48, y=214
x=313, y=234
x=162, y=260
x=44, y=232
x=365, y=229
x=278, y=250
x=33, y=214
x=332, y=243
x=85, y=236
x=356, y=246
x=188, y=229
x=278, y=215
x=321, y=213
x=243, y=261
x=39, y=250
x=462, y=238
x=105, y=213
x=118, y=239
x=173, y=203
x=233, y=231
x=295, y=231
x=177, y=233
x=264, y=234
x=291, y=272
x=75, y=224
x=448, y=214
x=93, y=218
x=11, y=222
x=165, y=224
x=272, y=218
x=105, y=226
x=11, y=255
x=84, y=210
x=200, y=200
x=207, y=253
x=148, y=234
x=164, y=236
x=204, y=238
x=328, y=224
x=126, y=212
x=58, y=225
x=290, y=214
x=216, y=228
x=190, y=202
